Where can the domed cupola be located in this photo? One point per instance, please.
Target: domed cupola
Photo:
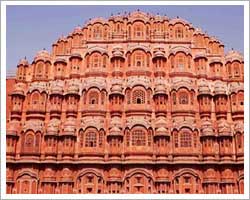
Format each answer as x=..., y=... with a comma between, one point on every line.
x=42, y=65
x=204, y=98
x=235, y=65
x=116, y=99
x=160, y=98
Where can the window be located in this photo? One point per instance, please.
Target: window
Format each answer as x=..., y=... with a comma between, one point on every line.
x=179, y=33
x=97, y=33
x=138, y=97
x=138, y=31
x=93, y=97
x=174, y=98
x=187, y=179
x=39, y=70
x=90, y=139
x=29, y=140
x=180, y=62
x=139, y=60
x=236, y=70
x=175, y=139
x=183, y=98
x=185, y=139
x=138, y=138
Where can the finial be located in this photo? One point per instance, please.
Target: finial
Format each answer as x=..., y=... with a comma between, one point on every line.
x=25, y=57
x=138, y=10
x=177, y=17
x=44, y=49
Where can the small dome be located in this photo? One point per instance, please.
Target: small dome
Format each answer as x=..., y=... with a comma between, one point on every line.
x=115, y=131
x=116, y=89
x=162, y=132
x=77, y=30
x=23, y=62
x=60, y=60
x=207, y=128
x=73, y=89
x=117, y=52
x=69, y=127
x=234, y=56
x=159, y=54
x=162, y=122
x=198, y=31
x=160, y=89
x=178, y=20
x=56, y=89
x=53, y=127
x=75, y=55
x=18, y=89
x=204, y=89
x=219, y=88
x=42, y=55
x=224, y=128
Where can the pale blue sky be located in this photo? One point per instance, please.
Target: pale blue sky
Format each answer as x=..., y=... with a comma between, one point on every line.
x=32, y=28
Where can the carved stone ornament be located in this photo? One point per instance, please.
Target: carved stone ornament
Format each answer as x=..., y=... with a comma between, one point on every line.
x=35, y=125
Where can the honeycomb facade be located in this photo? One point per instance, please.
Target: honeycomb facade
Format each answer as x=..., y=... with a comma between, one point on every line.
x=136, y=103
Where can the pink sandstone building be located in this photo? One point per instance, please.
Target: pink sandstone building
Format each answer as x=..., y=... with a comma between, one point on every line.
x=136, y=103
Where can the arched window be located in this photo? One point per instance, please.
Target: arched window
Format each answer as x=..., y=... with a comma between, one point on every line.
x=96, y=60
x=180, y=61
x=39, y=70
x=229, y=70
x=93, y=97
x=103, y=95
x=138, y=97
x=29, y=140
x=236, y=69
x=97, y=34
x=185, y=139
x=183, y=98
x=105, y=61
x=138, y=138
x=139, y=62
x=241, y=98
x=174, y=98
x=179, y=33
x=90, y=139
x=138, y=31
x=35, y=98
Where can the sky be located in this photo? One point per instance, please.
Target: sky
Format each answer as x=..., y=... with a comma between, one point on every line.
x=33, y=28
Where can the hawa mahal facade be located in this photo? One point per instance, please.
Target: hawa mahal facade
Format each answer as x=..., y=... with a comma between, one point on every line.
x=136, y=103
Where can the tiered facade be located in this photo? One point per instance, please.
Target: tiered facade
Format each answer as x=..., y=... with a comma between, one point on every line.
x=136, y=103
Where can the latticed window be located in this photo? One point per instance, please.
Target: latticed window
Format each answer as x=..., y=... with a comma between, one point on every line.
x=97, y=33
x=174, y=98
x=183, y=98
x=90, y=139
x=100, y=139
x=139, y=60
x=175, y=139
x=179, y=33
x=102, y=97
x=128, y=138
x=96, y=60
x=29, y=140
x=81, y=135
x=185, y=139
x=93, y=97
x=180, y=62
x=236, y=70
x=39, y=70
x=138, y=138
x=138, y=97
x=138, y=31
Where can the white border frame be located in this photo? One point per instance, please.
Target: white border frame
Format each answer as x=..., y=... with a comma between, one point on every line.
x=124, y=196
